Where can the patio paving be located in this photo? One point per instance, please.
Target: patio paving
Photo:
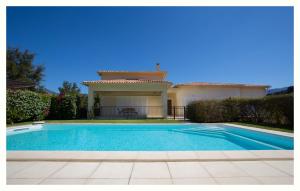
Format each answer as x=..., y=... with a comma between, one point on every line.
x=112, y=173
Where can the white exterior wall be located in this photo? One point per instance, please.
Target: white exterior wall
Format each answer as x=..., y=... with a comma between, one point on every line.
x=253, y=92
x=185, y=95
x=136, y=101
x=133, y=100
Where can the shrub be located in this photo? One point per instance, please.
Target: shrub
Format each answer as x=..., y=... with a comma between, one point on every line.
x=63, y=107
x=280, y=109
x=274, y=110
x=24, y=105
x=230, y=109
x=81, y=104
x=205, y=111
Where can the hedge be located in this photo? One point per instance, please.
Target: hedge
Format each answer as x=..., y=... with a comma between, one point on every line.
x=275, y=110
x=81, y=104
x=26, y=106
x=63, y=107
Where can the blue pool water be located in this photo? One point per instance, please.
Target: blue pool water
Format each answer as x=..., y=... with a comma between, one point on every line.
x=144, y=137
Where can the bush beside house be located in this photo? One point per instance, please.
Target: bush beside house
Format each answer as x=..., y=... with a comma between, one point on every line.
x=63, y=107
x=273, y=110
x=24, y=105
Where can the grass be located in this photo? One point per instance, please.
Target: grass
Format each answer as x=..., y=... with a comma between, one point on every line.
x=115, y=121
x=264, y=127
x=102, y=121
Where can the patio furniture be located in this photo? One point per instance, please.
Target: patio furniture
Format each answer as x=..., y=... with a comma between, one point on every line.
x=128, y=111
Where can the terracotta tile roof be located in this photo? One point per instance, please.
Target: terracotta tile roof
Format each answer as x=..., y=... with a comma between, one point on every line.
x=123, y=81
x=126, y=71
x=108, y=71
x=133, y=72
x=219, y=84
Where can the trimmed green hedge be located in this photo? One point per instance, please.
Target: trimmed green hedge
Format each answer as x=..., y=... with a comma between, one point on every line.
x=26, y=106
x=275, y=110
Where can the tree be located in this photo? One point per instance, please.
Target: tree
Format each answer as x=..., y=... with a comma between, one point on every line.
x=19, y=66
x=69, y=88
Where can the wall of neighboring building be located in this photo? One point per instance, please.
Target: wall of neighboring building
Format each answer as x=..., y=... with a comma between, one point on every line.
x=187, y=94
x=253, y=92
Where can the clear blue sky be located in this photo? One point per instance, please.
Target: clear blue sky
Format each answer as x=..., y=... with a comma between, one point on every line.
x=208, y=44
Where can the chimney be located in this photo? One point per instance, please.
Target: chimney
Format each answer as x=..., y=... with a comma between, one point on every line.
x=157, y=66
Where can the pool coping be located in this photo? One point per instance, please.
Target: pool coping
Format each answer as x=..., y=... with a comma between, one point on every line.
x=154, y=156
x=150, y=156
x=287, y=134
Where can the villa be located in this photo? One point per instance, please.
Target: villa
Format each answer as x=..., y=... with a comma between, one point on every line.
x=149, y=95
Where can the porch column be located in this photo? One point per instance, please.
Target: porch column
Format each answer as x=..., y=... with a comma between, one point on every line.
x=164, y=99
x=90, y=103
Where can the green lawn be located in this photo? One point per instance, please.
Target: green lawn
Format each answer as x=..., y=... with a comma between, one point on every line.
x=104, y=121
x=264, y=127
x=116, y=121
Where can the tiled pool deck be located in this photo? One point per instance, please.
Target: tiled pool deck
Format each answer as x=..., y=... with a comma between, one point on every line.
x=157, y=167
x=182, y=167
x=218, y=172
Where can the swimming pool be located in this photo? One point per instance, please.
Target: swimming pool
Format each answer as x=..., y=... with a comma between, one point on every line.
x=143, y=137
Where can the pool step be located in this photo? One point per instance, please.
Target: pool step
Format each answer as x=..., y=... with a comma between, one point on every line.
x=215, y=135
x=221, y=133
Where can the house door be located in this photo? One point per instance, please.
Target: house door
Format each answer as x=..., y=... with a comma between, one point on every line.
x=169, y=107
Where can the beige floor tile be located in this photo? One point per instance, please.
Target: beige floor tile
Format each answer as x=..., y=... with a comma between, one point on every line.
x=23, y=181
x=286, y=166
x=150, y=170
x=237, y=180
x=216, y=155
x=276, y=180
x=193, y=181
x=258, y=168
x=39, y=170
x=181, y=155
x=16, y=166
x=151, y=181
x=113, y=170
x=76, y=170
x=64, y=181
x=223, y=169
x=108, y=181
x=187, y=170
